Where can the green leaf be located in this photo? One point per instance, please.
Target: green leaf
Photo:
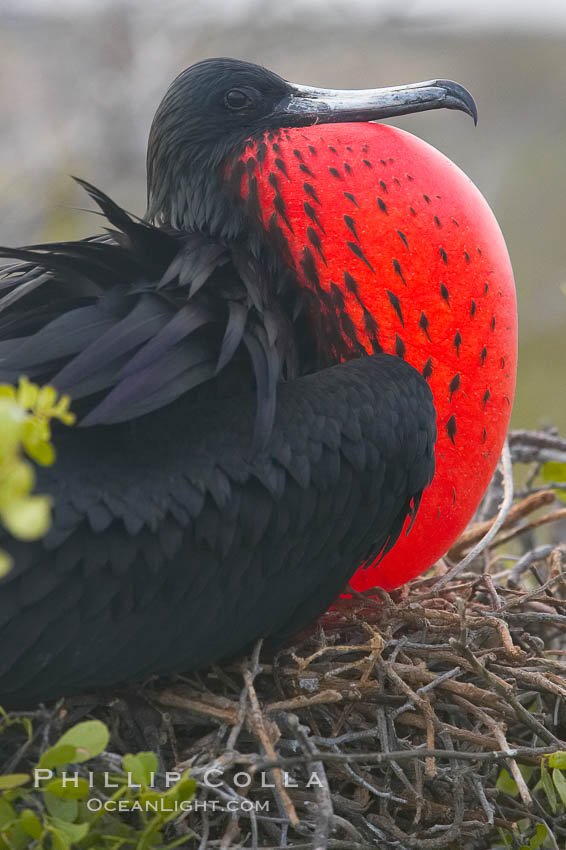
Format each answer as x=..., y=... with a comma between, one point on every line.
x=7, y=813
x=58, y=756
x=69, y=791
x=42, y=452
x=539, y=837
x=59, y=840
x=506, y=837
x=16, y=837
x=151, y=797
x=558, y=760
x=141, y=766
x=74, y=831
x=89, y=739
x=59, y=808
x=506, y=784
x=6, y=564
x=184, y=789
x=31, y=823
x=27, y=518
x=548, y=786
x=560, y=784
x=67, y=833
x=9, y=720
x=13, y=780
x=527, y=771
x=553, y=471
x=12, y=419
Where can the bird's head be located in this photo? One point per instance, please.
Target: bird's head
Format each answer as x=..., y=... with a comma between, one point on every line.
x=212, y=108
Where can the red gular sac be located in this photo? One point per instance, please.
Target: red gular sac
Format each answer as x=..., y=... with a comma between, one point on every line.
x=407, y=248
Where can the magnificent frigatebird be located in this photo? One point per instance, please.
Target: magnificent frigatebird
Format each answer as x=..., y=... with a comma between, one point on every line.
x=388, y=230
x=236, y=459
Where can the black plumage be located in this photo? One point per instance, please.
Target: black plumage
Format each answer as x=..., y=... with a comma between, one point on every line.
x=228, y=474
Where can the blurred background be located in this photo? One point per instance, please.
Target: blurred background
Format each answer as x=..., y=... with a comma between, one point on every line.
x=80, y=81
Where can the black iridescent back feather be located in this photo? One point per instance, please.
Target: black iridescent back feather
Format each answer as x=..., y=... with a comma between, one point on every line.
x=129, y=322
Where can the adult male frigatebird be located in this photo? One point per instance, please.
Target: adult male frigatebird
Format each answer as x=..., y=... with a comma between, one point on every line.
x=237, y=460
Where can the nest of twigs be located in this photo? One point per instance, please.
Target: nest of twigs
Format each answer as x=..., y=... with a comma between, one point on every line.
x=389, y=723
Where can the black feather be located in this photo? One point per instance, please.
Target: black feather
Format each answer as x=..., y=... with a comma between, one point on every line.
x=116, y=315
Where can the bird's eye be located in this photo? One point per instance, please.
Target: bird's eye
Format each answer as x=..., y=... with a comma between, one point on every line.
x=237, y=99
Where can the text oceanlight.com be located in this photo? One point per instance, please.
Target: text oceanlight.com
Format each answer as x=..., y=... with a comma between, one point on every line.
x=166, y=805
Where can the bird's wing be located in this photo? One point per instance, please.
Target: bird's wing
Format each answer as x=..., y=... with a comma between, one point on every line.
x=129, y=323
x=172, y=546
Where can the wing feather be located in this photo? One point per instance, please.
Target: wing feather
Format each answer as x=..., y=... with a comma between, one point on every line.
x=129, y=321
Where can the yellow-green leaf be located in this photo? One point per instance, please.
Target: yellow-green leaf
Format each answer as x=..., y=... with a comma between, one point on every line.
x=18, y=479
x=41, y=451
x=75, y=790
x=558, y=760
x=548, y=786
x=7, y=813
x=27, y=393
x=506, y=784
x=27, y=518
x=59, y=808
x=6, y=564
x=58, y=756
x=31, y=823
x=153, y=798
x=12, y=419
x=46, y=397
x=555, y=472
x=184, y=789
x=89, y=738
x=560, y=784
x=539, y=837
x=140, y=767
x=13, y=780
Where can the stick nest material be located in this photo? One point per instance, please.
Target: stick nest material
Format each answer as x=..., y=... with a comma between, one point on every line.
x=388, y=724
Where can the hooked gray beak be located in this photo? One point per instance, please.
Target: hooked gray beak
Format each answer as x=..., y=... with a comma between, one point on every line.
x=308, y=105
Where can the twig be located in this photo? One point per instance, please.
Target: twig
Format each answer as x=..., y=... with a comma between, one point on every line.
x=477, y=531
x=322, y=789
x=541, y=446
x=506, y=505
x=426, y=709
x=535, y=523
x=258, y=724
x=532, y=594
x=523, y=564
x=519, y=753
x=505, y=691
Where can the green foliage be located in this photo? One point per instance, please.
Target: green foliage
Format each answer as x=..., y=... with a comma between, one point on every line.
x=538, y=839
x=60, y=809
x=80, y=743
x=555, y=473
x=25, y=416
x=548, y=783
